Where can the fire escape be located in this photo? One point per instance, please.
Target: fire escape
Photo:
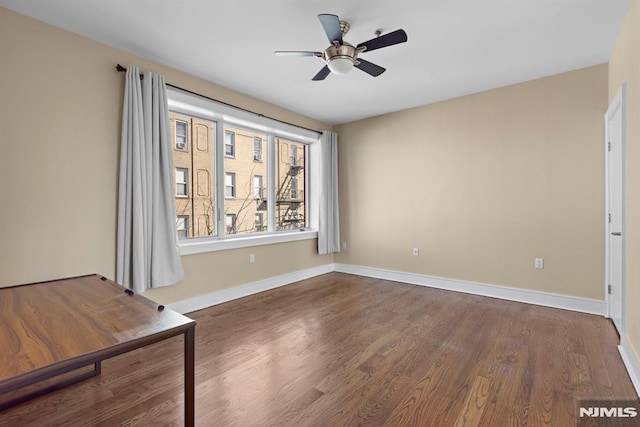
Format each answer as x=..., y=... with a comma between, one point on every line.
x=287, y=201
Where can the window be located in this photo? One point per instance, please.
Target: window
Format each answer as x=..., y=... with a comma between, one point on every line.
x=229, y=144
x=182, y=225
x=257, y=187
x=226, y=188
x=246, y=192
x=230, y=185
x=230, y=223
x=182, y=182
x=259, y=220
x=257, y=149
x=181, y=135
x=291, y=175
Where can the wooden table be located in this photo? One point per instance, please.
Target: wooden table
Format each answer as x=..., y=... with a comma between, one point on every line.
x=51, y=328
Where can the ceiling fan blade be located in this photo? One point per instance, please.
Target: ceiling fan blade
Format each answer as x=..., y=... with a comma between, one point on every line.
x=331, y=25
x=297, y=53
x=370, y=67
x=322, y=74
x=398, y=36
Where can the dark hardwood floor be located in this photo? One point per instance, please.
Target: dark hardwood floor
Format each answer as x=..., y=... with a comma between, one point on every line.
x=340, y=350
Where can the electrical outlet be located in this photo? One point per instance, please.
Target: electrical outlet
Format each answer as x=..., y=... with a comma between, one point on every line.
x=538, y=263
x=416, y=252
x=344, y=245
x=252, y=258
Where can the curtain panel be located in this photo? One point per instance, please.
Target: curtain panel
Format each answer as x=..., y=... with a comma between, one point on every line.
x=147, y=252
x=329, y=221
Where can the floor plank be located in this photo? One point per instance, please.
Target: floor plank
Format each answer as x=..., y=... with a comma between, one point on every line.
x=344, y=350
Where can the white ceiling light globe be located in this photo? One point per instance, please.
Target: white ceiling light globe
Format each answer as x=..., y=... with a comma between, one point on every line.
x=340, y=65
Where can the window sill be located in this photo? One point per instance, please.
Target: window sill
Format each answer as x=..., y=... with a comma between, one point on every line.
x=198, y=246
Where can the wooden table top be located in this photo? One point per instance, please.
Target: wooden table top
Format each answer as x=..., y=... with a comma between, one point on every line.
x=49, y=324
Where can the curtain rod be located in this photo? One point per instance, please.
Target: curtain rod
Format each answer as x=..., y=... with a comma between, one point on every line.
x=122, y=69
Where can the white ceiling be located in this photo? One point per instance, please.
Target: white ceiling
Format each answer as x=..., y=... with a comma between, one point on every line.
x=455, y=47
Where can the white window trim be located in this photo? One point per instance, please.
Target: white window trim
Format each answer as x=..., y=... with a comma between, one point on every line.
x=222, y=114
x=204, y=244
x=182, y=102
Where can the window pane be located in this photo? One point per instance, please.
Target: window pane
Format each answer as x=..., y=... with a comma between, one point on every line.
x=259, y=221
x=182, y=226
x=182, y=188
x=181, y=135
x=290, y=196
x=245, y=181
x=257, y=149
x=257, y=187
x=195, y=175
x=230, y=223
x=230, y=184
x=229, y=144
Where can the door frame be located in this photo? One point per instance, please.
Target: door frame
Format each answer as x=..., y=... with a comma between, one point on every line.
x=619, y=102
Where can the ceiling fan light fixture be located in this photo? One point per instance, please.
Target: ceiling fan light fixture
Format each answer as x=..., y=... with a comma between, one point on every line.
x=340, y=64
x=340, y=57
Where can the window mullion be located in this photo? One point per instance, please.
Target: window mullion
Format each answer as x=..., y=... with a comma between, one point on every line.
x=220, y=179
x=271, y=183
x=307, y=188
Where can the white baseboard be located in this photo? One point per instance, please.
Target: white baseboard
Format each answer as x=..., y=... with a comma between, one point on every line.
x=584, y=305
x=218, y=297
x=566, y=302
x=630, y=362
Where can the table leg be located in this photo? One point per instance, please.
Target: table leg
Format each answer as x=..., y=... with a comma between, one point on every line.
x=189, y=376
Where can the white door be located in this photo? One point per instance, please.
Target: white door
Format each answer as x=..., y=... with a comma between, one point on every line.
x=615, y=124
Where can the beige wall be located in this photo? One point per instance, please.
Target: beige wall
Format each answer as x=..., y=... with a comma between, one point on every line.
x=625, y=68
x=60, y=108
x=482, y=185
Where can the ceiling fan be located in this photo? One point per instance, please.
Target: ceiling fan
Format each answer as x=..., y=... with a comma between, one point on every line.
x=340, y=56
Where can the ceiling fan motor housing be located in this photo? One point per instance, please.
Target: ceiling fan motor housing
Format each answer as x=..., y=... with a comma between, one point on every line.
x=341, y=58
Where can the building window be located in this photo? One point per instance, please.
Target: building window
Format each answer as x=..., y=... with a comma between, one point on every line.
x=257, y=149
x=229, y=144
x=230, y=185
x=259, y=220
x=182, y=182
x=230, y=223
x=182, y=225
x=257, y=187
x=293, y=157
x=181, y=135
